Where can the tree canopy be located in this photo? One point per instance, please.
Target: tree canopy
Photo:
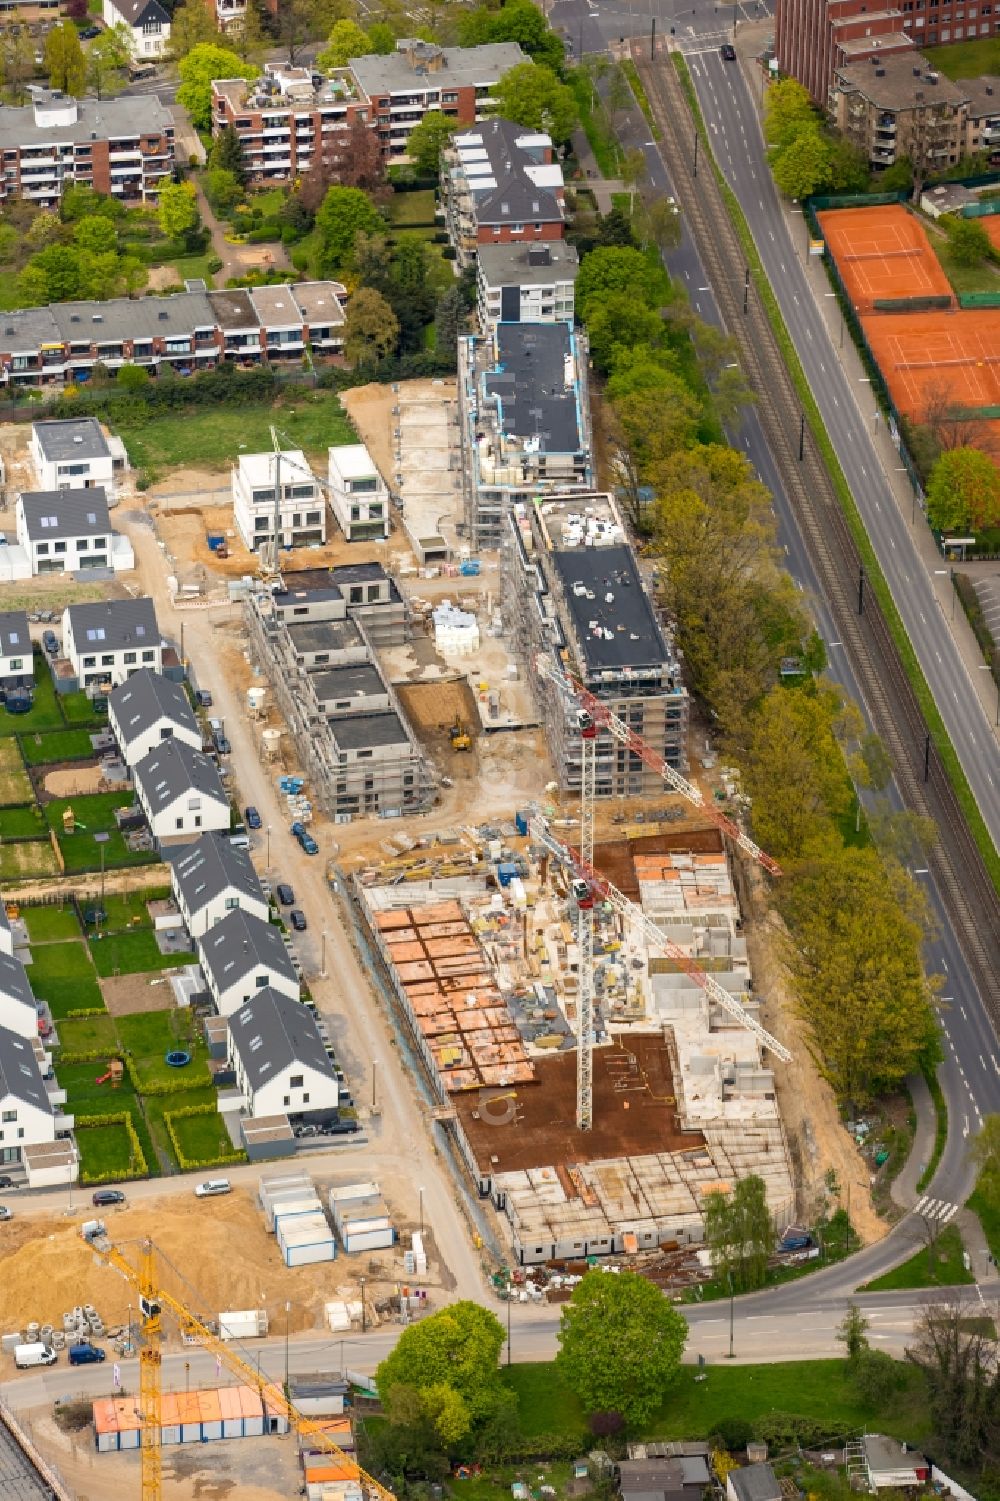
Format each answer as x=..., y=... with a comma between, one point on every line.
x=204, y=62
x=739, y=1233
x=64, y=59
x=804, y=166
x=518, y=21
x=344, y=213
x=427, y=141
x=620, y=1345
x=177, y=210
x=964, y=491
x=456, y=1351
x=532, y=95
x=346, y=40
x=371, y=328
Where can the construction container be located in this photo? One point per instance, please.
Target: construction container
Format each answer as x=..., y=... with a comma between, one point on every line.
x=295, y=1208
x=506, y=872
x=305, y=1240
x=246, y=1323
x=367, y=1233
x=280, y=1188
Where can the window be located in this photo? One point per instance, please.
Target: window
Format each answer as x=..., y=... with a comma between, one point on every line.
x=59, y=547
x=16, y=664
x=82, y=544
x=148, y=656
x=357, y=593
x=180, y=823
x=41, y=548
x=261, y=982
x=108, y=659
x=129, y=657
x=305, y=1099
x=355, y=516
x=90, y=661
x=10, y=1115
x=296, y=1081
x=287, y=1100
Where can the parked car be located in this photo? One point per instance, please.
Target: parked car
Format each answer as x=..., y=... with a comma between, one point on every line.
x=728, y=52
x=203, y=698
x=84, y=1354
x=89, y=32
x=6, y=1181
x=239, y=838
x=105, y=1196
x=213, y=1186
x=297, y=918
x=50, y=641
x=36, y=1353
x=223, y=746
x=305, y=839
x=5, y=1213
x=252, y=817
x=286, y=896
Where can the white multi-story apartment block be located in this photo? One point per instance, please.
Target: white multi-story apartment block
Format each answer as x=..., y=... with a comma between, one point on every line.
x=358, y=494
x=302, y=512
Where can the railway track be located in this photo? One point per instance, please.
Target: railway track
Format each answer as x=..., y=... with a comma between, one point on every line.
x=967, y=892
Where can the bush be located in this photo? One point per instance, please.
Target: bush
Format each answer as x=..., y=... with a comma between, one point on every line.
x=214, y=265
x=189, y=1164
x=85, y=1011
x=266, y=234
x=732, y=1434
x=448, y=253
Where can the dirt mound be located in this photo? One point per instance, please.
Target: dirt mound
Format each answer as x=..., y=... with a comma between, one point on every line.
x=73, y=781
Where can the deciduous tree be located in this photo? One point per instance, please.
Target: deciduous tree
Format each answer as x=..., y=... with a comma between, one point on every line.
x=177, y=210
x=343, y=213
x=202, y=63
x=740, y=1234
x=371, y=328
x=519, y=21
x=107, y=58
x=64, y=59
x=964, y=491
x=620, y=1345
x=96, y=234
x=428, y=140
x=958, y=1357
x=803, y=166
x=346, y=40
x=532, y=95
x=614, y=268
x=788, y=111
x=969, y=241
x=17, y=60
x=985, y=1153
x=457, y=1348
x=852, y=1331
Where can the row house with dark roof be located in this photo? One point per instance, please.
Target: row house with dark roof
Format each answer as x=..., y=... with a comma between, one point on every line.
x=501, y=185
x=190, y=331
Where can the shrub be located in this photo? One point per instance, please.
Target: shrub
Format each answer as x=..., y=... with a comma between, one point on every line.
x=448, y=253
x=85, y=1011
x=214, y=264
x=732, y=1434
x=139, y=1167
x=189, y=1164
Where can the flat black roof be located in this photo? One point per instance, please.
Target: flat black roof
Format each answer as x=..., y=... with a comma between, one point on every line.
x=324, y=635
x=357, y=731
x=529, y=382
x=353, y=680
x=620, y=631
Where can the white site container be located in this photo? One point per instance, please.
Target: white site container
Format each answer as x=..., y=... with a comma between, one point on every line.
x=290, y=1209
x=244, y=1323
x=306, y=1240
x=373, y=1234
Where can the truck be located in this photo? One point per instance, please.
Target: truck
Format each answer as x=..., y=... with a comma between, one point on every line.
x=33, y=1354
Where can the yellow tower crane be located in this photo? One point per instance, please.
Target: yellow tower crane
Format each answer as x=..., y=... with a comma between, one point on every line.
x=154, y=1302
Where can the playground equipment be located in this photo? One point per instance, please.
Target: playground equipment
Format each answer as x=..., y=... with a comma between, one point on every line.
x=114, y=1073
x=69, y=822
x=177, y=1058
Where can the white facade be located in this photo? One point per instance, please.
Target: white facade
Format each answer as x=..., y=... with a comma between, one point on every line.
x=147, y=23
x=136, y=743
x=358, y=493
x=233, y=975
x=17, y=664
x=181, y=814
x=73, y=545
x=217, y=907
x=26, y=1114
x=98, y=659
x=71, y=455
x=295, y=1089
x=302, y=511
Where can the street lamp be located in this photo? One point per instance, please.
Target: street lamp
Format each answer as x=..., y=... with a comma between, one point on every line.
x=948, y=573
x=322, y=955
x=732, y=1308
x=840, y=309
x=364, y=1316
x=420, y=1194
x=267, y=856
x=288, y=1309
x=374, y=1066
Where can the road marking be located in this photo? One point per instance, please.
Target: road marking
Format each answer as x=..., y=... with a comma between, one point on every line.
x=965, y=1128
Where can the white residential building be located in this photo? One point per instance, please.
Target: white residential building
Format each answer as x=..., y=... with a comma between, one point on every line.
x=148, y=26
x=277, y=1054
x=27, y=1116
x=18, y=1006
x=212, y=878
x=358, y=493
x=72, y=454
x=242, y=955
x=6, y=932
x=526, y=283
x=107, y=642
x=302, y=512
x=147, y=709
x=180, y=792
x=69, y=531
x=17, y=665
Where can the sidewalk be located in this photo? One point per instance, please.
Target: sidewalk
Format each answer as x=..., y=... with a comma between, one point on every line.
x=601, y=187
x=938, y=568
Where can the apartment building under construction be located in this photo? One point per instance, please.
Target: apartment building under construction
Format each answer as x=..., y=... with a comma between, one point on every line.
x=571, y=591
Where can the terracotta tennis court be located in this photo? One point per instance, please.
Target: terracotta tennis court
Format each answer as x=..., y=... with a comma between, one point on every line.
x=926, y=355
x=991, y=224
x=882, y=253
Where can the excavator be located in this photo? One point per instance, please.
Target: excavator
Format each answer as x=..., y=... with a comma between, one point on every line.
x=459, y=736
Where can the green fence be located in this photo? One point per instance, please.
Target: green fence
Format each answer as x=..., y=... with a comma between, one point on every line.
x=978, y=299
x=981, y=210
x=854, y=200
x=912, y=304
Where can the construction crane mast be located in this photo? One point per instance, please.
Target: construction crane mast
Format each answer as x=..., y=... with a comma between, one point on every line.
x=153, y=1302
x=605, y=719
x=585, y=930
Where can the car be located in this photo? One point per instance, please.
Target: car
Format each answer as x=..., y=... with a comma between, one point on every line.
x=6, y=1181
x=105, y=1196
x=286, y=896
x=203, y=698
x=213, y=1186
x=728, y=52
x=222, y=745
x=309, y=844
x=50, y=641
x=252, y=818
x=297, y=918
x=89, y=32
x=5, y=1213
x=239, y=838
x=84, y=1354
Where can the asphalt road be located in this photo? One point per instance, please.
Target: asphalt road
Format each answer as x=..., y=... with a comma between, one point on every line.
x=848, y=414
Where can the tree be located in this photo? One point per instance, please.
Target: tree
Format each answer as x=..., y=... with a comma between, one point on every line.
x=659, y=221
x=449, y=318
x=518, y=21
x=619, y=94
x=177, y=210
x=43, y=230
x=342, y=214
x=964, y=492
x=852, y=1331
x=739, y=1233
x=788, y=111
x=949, y=424
x=346, y=40
x=17, y=60
x=958, y=1357
x=222, y=189
x=60, y=267
x=898, y=178
x=457, y=1348
x=969, y=241
x=613, y=322
x=226, y=154
x=614, y=268
x=96, y=234
x=633, y=172
x=532, y=95
x=371, y=328
x=985, y=1153
x=428, y=140
x=849, y=167
x=382, y=39
x=803, y=167
x=620, y=1345
x=64, y=59
x=877, y=1377
x=107, y=58
x=193, y=25
x=731, y=394
x=249, y=37
x=854, y=954
x=204, y=62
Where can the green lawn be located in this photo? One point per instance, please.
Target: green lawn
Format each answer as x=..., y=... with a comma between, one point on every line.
x=85, y=1097
x=989, y=1218
x=213, y=437
x=150, y=1035
x=62, y=975
x=77, y=709
x=130, y=953
x=44, y=712
x=104, y=1150
x=409, y=209
x=82, y=1034
x=57, y=745
x=22, y=823
x=94, y=814
x=15, y=784
x=985, y=277
x=966, y=59
x=36, y=858
x=818, y=1389
x=51, y=924
x=188, y=267
x=203, y=1138
x=944, y=1269
x=129, y=911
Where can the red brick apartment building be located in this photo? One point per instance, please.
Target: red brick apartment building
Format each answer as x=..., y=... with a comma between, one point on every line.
x=124, y=147
x=501, y=186
x=813, y=38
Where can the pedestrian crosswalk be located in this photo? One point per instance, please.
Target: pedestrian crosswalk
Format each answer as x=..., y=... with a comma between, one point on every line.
x=935, y=1209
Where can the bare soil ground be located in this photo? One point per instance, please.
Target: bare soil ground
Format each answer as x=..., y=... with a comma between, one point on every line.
x=816, y=1136
x=370, y=409
x=73, y=781
x=36, y=859
x=125, y=995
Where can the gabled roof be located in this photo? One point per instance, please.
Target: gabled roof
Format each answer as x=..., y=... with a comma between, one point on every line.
x=144, y=699
x=139, y=12
x=15, y=637
x=51, y=514
x=14, y=982
x=203, y=871
x=20, y=1075
x=240, y=945
x=755, y=1483
x=272, y=1032
x=174, y=770
x=114, y=625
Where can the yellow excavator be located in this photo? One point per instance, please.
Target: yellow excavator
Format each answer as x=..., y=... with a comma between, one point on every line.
x=459, y=736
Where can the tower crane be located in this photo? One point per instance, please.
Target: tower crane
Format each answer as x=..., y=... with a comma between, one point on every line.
x=632, y=914
x=605, y=719
x=154, y=1302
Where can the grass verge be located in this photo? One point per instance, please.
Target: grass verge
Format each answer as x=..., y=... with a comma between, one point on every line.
x=595, y=124
x=642, y=99
x=939, y=735
x=940, y=1265
x=988, y=1215
x=940, y=1128
x=132, y=954
x=212, y=437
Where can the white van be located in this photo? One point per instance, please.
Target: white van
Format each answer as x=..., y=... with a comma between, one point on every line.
x=35, y=1354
